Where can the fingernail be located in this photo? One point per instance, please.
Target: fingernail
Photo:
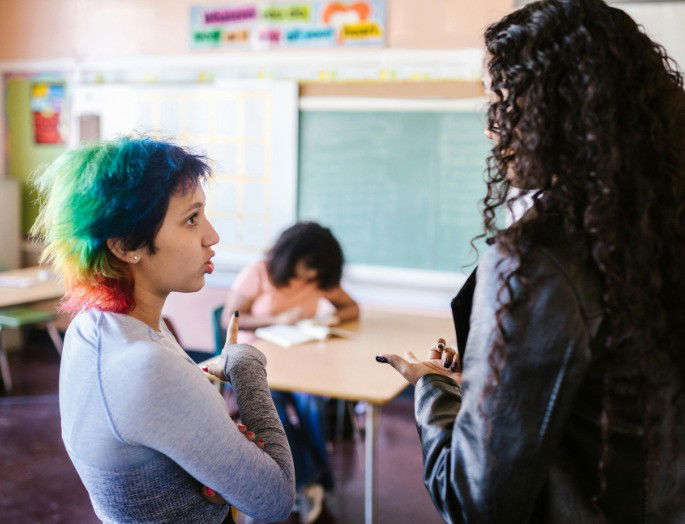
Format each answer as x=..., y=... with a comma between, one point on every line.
x=447, y=363
x=441, y=346
x=454, y=367
x=260, y=441
x=236, y=314
x=381, y=358
x=209, y=491
x=249, y=434
x=241, y=426
x=205, y=369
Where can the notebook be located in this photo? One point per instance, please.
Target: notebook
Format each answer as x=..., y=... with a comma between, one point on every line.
x=304, y=331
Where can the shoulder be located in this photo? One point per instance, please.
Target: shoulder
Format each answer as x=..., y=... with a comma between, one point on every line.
x=553, y=250
x=254, y=272
x=95, y=327
x=85, y=325
x=256, y=267
x=554, y=262
x=124, y=343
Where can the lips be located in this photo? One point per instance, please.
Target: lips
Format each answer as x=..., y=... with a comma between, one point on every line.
x=209, y=265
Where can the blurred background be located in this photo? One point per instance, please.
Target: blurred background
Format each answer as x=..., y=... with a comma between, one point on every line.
x=364, y=116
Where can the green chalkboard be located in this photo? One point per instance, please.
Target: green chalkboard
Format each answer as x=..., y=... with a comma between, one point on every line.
x=398, y=189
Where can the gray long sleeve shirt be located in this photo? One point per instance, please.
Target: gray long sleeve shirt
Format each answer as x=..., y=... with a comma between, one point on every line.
x=145, y=429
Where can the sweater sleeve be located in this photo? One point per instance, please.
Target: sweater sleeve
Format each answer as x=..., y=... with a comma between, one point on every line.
x=164, y=402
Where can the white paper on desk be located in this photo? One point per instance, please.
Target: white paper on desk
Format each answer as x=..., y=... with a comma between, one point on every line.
x=304, y=331
x=284, y=335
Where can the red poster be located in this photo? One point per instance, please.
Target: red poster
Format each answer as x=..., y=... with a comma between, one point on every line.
x=47, y=99
x=46, y=128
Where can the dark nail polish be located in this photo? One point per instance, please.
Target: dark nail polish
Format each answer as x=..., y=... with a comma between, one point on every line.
x=441, y=346
x=447, y=363
x=381, y=358
x=236, y=314
x=454, y=367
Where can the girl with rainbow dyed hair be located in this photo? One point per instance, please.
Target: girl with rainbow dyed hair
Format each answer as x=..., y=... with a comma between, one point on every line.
x=151, y=438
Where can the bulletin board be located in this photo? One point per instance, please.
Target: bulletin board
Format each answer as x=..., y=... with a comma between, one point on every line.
x=248, y=130
x=277, y=25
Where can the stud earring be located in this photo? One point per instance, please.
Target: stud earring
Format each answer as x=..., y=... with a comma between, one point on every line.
x=136, y=258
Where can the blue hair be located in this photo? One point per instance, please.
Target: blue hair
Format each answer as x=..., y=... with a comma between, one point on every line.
x=117, y=189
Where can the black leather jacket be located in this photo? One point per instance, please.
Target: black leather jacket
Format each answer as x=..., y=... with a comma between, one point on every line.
x=529, y=451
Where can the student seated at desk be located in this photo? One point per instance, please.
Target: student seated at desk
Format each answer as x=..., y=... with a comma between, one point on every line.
x=304, y=265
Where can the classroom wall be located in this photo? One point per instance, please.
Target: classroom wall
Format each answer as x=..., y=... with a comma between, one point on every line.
x=26, y=157
x=43, y=29
x=663, y=22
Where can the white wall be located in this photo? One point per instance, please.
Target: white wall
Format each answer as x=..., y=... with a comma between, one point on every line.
x=664, y=22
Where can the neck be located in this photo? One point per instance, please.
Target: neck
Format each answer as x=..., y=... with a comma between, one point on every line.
x=148, y=308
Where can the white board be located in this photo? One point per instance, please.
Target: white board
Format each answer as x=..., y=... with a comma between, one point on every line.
x=248, y=130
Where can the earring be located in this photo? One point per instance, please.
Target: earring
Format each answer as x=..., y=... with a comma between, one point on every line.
x=136, y=258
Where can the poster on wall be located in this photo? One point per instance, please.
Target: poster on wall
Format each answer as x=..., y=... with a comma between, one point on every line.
x=268, y=25
x=47, y=104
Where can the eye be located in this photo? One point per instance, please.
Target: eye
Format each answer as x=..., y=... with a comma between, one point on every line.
x=192, y=219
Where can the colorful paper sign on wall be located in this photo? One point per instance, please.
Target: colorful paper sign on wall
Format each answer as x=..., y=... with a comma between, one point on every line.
x=47, y=102
x=301, y=24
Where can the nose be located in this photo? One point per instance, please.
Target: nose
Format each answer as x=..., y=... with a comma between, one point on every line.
x=211, y=237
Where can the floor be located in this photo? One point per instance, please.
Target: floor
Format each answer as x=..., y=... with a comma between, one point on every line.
x=39, y=484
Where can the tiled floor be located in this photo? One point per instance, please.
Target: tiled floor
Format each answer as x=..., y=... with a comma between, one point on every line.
x=39, y=485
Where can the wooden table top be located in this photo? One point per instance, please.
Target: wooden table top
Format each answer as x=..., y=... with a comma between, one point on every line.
x=345, y=367
x=47, y=289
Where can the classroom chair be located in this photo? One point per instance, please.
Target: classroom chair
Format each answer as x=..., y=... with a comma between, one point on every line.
x=21, y=316
x=219, y=332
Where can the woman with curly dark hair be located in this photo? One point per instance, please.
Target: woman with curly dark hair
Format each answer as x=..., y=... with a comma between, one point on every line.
x=570, y=408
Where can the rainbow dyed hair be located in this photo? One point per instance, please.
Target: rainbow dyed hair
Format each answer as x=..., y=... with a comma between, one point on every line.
x=117, y=189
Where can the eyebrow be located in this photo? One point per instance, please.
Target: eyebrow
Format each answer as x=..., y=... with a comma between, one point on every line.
x=196, y=205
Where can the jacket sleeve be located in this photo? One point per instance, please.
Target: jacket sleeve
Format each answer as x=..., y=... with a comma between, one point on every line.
x=487, y=455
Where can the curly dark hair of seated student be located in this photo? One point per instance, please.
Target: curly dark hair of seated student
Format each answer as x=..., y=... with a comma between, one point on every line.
x=312, y=243
x=590, y=121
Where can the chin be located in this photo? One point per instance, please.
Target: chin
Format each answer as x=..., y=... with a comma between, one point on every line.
x=192, y=287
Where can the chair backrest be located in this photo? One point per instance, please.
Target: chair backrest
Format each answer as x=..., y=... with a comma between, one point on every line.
x=219, y=331
x=18, y=316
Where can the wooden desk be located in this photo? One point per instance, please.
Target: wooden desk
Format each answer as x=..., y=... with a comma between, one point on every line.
x=345, y=368
x=44, y=290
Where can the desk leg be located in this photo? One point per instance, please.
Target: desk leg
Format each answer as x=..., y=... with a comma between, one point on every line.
x=5, y=367
x=371, y=468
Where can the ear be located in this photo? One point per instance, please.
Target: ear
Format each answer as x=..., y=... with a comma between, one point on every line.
x=116, y=246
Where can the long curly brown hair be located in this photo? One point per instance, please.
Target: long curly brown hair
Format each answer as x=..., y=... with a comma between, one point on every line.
x=590, y=112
